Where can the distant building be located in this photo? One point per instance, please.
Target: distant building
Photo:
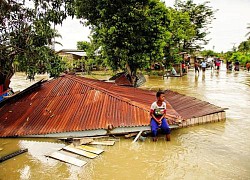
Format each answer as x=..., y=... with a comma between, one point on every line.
x=73, y=57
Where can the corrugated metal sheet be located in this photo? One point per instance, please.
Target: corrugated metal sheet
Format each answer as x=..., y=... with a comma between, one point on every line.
x=71, y=103
x=123, y=79
x=77, y=53
x=190, y=107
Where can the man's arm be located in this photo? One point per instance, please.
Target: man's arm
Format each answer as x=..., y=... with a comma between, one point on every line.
x=153, y=116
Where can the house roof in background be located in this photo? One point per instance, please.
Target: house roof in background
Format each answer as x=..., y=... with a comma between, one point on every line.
x=70, y=50
x=73, y=51
x=78, y=53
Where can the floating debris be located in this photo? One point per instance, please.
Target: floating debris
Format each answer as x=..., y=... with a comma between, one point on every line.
x=80, y=141
x=90, y=149
x=67, y=159
x=13, y=154
x=70, y=148
x=138, y=135
x=105, y=143
x=130, y=135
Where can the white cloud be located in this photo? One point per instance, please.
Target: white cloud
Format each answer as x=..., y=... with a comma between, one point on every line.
x=230, y=26
x=71, y=31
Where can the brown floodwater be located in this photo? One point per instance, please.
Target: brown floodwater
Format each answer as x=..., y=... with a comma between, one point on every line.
x=210, y=151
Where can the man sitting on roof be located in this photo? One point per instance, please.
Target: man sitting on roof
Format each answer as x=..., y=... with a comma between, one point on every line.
x=158, y=120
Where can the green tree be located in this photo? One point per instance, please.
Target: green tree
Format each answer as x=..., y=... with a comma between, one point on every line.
x=227, y=56
x=26, y=37
x=129, y=32
x=201, y=16
x=207, y=53
x=244, y=47
x=83, y=45
x=237, y=56
x=181, y=30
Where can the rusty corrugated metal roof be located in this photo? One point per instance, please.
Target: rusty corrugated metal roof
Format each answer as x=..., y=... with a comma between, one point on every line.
x=124, y=79
x=189, y=107
x=185, y=106
x=71, y=103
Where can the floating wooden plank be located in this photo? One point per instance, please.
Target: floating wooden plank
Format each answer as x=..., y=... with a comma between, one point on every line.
x=98, y=137
x=90, y=149
x=4, y=158
x=105, y=143
x=80, y=141
x=174, y=126
x=80, y=152
x=130, y=135
x=113, y=139
x=125, y=130
x=138, y=135
x=67, y=159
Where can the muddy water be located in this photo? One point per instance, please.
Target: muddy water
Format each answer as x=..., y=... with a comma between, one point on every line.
x=210, y=151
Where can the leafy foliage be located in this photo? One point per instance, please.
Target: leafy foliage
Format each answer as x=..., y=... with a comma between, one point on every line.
x=240, y=53
x=244, y=46
x=207, y=53
x=26, y=36
x=201, y=16
x=83, y=45
x=131, y=33
x=181, y=31
x=94, y=58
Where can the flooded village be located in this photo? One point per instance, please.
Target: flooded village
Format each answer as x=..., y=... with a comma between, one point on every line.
x=205, y=146
x=99, y=90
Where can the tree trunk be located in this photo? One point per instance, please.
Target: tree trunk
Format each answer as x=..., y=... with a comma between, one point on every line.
x=5, y=81
x=132, y=74
x=134, y=80
x=6, y=84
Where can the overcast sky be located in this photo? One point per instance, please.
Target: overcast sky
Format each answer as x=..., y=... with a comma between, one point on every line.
x=228, y=29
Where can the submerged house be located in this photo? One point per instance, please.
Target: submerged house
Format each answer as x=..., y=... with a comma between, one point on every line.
x=72, y=106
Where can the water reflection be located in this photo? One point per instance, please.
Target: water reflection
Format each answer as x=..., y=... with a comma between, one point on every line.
x=203, y=77
x=209, y=151
x=38, y=152
x=25, y=173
